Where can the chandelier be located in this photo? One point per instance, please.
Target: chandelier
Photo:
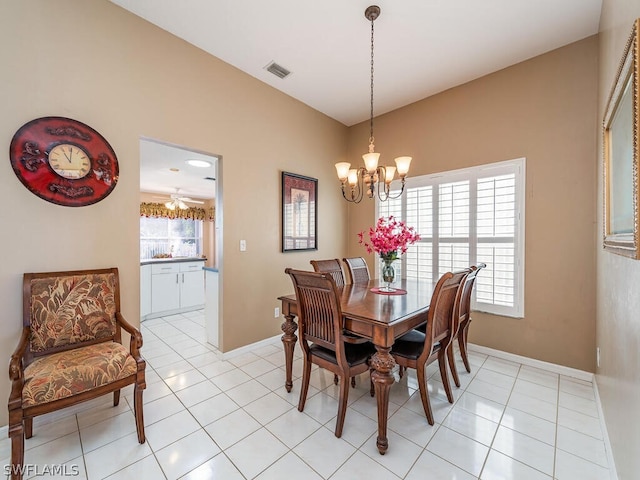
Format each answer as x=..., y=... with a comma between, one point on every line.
x=373, y=178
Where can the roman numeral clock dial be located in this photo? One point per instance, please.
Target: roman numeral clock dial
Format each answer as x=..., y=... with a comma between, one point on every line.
x=64, y=161
x=69, y=161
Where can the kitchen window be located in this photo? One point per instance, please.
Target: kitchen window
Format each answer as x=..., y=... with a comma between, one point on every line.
x=465, y=217
x=178, y=237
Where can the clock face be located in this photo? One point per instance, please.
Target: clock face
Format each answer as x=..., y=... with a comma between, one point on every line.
x=64, y=161
x=69, y=161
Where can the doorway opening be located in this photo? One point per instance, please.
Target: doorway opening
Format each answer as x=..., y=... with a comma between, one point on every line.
x=180, y=233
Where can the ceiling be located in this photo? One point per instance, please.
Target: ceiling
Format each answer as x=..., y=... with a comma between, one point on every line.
x=422, y=47
x=156, y=160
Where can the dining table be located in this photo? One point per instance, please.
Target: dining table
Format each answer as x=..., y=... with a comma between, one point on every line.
x=376, y=316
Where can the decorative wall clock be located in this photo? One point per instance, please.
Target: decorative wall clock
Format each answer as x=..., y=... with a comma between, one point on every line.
x=64, y=161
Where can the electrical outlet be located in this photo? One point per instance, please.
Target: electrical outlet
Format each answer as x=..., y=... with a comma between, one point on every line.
x=276, y=312
x=598, y=357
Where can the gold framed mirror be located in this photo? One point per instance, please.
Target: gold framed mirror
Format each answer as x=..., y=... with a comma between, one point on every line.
x=621, y=132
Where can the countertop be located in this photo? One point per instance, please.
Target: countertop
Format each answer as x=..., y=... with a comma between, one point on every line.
x=172, y=260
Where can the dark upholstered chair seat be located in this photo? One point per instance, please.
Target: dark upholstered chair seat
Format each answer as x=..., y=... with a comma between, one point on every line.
x=356, y=354
x=411, y=345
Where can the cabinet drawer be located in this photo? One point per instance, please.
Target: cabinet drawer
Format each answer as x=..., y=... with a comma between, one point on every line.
x=191, y=266
x=157, y=268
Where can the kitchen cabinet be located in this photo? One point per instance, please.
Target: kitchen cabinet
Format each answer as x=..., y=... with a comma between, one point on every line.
x=191, y=284
x=175, y=287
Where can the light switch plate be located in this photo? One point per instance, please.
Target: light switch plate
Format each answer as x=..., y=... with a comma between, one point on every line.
x=243, y=245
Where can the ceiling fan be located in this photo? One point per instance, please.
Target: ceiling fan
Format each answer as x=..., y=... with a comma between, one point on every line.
x=178, y=201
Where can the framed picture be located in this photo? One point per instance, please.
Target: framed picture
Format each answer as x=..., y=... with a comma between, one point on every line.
x=621, y=130
x=299, y=212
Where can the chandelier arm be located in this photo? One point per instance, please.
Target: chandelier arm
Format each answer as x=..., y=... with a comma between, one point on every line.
x=399, y=194
x=382, y=187
x=356, y=192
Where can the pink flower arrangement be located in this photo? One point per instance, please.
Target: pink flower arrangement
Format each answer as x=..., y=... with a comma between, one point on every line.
x=389, y=238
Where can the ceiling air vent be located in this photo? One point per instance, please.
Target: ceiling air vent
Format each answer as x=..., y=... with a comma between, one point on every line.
x=278, y=70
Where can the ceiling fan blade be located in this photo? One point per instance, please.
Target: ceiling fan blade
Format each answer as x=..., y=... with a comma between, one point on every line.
x=187, y=199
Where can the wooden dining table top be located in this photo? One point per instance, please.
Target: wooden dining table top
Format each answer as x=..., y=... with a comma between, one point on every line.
x=382, y=317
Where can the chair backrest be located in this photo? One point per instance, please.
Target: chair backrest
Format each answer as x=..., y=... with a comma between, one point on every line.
x=319, y=313
x=65, y=310
x=331, y=267
x=358, y=269
x=467, y=289
x=444, y=310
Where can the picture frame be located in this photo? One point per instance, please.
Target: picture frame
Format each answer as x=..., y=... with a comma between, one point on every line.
x=621, y=133
x=299, y=213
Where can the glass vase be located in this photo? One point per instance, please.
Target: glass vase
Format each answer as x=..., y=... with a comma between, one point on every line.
x=388, y=274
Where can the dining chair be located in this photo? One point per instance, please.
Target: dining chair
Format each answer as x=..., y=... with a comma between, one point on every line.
x=320, y=331
x=358, y=269
x=462, y=329
x=331, y=267
x=417, y=350
x=334, y=268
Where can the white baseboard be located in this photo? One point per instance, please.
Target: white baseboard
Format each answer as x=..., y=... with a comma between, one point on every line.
x=613, y=474
x=532, y=362
x=4, y=431
x=247, y=348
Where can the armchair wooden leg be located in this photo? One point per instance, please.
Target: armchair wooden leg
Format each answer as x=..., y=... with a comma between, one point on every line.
x=28, y=427
x=137, y=408
x=116, y=398
x=16, y=433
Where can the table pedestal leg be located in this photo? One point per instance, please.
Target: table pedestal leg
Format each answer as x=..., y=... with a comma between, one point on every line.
x=382, y=362
x=289, y=339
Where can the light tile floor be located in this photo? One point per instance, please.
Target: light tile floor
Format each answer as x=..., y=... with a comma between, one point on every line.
x=209, y=418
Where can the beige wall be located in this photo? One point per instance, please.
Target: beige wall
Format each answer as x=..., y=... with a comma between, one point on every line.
x=545, y=110
x=618, y=293
x=127, y=78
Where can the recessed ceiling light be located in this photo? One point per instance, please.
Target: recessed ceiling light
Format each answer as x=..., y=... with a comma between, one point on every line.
x=199, y=163
x=174, y=169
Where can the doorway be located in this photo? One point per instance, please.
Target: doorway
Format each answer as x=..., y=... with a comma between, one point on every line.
x=180, y=191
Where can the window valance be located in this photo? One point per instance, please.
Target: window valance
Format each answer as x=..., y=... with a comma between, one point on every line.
x=192, y=213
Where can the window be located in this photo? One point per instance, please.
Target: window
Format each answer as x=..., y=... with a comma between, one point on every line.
x=466, y=217
x=180, y=237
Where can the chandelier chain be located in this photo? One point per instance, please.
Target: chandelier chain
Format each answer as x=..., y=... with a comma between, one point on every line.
x=371, y=115
x=372, y=180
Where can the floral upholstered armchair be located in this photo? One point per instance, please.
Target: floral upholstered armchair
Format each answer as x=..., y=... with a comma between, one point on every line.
x=70, y=350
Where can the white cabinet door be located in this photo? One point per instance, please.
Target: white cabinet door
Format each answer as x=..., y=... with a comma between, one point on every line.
x=192, y=288
x=165, y=292
x=145, y=290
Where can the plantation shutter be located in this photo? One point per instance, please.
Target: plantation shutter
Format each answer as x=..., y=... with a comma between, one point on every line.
x=465, y=217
